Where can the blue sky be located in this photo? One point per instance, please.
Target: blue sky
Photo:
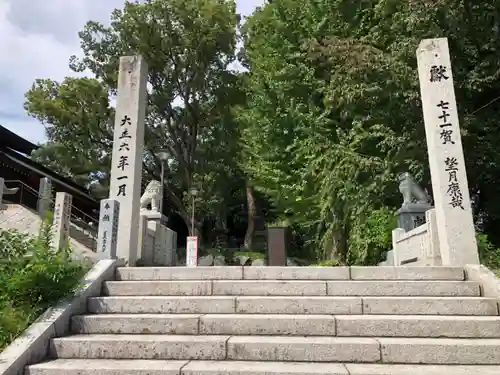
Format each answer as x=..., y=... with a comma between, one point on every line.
x=37, y=38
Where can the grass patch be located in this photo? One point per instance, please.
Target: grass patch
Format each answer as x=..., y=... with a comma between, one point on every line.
x=33, y=277
x=327, y=263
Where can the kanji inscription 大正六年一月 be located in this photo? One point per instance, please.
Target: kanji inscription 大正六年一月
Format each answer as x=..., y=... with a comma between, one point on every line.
x=123, y=158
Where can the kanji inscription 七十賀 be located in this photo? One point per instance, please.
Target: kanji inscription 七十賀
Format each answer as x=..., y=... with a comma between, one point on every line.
x=446, y=132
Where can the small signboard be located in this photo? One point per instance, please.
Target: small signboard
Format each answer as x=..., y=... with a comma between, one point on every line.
x=192, y=252
x=108, y=229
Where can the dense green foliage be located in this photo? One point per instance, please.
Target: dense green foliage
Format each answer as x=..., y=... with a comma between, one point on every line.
x=319, y=125
x=33, y=277
x=333, y=111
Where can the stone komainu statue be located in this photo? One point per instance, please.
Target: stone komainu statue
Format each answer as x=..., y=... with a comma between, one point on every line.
x=410, y=190
x=152, y=195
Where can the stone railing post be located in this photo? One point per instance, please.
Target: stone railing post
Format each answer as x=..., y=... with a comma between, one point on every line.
x=396, y=235
x=44, y=196
x=61, y=221
x=434, y=253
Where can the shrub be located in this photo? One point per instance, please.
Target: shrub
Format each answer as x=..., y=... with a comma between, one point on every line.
x=328, y=263
x=33, y=276
x=489, y=255
x=371, y=237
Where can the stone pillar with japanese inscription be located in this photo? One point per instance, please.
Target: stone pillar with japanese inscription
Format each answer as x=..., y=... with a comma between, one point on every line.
x=128, y=147
x=44, y=196
x=108, y=229
x=61, y=220
x=457, y=240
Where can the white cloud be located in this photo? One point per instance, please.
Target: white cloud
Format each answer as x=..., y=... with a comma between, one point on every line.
x=37, y=38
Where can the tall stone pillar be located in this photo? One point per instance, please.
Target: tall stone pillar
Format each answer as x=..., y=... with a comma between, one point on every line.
x=44, y=203
x=61, y=222
x=128, y=147
x=456, y=232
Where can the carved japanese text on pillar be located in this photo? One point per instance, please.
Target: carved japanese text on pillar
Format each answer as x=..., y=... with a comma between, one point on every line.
x=67, y=213
x=445, y=129
x=123, y=158
x=57, y=215
x=108, y=224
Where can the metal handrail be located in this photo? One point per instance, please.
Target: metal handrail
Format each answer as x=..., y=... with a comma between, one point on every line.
x=24, y=185
x=37, y=194
x=80, y=221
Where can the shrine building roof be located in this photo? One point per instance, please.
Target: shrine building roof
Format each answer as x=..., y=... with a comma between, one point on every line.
x=18, y=149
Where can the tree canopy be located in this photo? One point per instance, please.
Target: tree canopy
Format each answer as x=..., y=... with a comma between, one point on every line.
x=320, y=123
x=189, y=46
x=333, y=92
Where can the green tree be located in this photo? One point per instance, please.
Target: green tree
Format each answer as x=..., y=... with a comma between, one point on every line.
x=334, y=111
x=79, y=124
x=324, y=136
x=188, y=45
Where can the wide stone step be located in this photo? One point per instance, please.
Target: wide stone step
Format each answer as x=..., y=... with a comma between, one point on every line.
x=147, y=346
x=440, y=351
x=298, y=325
x=283, y=288
x=429, y=306
x=381, y=369
x=293, y=305
x=211, y=324
x=280, y=348
x=403, y=288
x=106, y=367
x=290, y=273
x=432, y=326
x=158, y=288
x=159, y=367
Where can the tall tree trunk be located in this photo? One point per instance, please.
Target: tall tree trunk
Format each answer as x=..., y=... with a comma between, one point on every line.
x=252, y=217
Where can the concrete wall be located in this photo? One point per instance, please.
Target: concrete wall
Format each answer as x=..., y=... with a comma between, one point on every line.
x=419, y=246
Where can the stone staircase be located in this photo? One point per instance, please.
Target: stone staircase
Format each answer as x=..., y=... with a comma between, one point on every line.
x=282, y=321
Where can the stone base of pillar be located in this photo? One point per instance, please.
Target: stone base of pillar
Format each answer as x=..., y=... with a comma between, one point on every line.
x=158, y=242
x=411, y=216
